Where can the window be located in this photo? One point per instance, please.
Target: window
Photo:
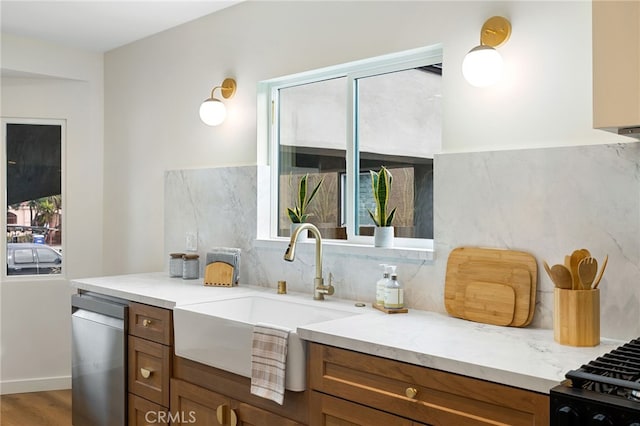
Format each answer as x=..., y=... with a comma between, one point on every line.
x=46, y=255
x=339, y=123
x=33, y=166
x=23, y=256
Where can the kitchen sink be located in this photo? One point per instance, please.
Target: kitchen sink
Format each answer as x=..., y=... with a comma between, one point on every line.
x=219, y=333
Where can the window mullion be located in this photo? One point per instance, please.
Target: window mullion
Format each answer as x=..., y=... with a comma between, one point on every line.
x=352, y=159
x=274, y=123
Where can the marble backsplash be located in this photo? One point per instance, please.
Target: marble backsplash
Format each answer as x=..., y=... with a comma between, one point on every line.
x=547, y=202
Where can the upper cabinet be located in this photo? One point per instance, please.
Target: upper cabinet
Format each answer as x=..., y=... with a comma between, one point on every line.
x=616, y=64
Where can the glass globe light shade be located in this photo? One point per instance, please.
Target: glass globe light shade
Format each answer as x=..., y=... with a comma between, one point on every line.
x=212, y=112
x=482, y=66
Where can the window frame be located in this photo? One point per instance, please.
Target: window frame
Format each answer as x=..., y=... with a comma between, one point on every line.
x=3, y=215
x=268, y=101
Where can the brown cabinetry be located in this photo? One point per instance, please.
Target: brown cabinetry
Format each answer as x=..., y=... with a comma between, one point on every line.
x=149, y=364
x=150, y=360
x=151, y=323
x=346, y=389
x=145, y=413
x=194, y=405
x=330, y=411
x=370, y=387
x=616, y=64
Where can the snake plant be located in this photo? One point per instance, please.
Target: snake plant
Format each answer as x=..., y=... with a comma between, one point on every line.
x=298, y=214
x=381, y=185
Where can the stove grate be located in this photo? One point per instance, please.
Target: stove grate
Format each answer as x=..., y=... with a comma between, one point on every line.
x=615, y=373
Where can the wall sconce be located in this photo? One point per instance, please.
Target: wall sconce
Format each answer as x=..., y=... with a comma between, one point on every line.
x=212, y=110
x=482, y=66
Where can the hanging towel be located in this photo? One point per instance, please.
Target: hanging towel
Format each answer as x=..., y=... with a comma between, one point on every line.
x=268, y=361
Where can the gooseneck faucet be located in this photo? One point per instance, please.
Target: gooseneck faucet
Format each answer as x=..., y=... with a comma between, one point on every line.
x=319, y=289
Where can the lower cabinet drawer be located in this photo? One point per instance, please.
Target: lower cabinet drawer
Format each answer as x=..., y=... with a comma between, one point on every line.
x=149, y=370
x=146, y=413
x=195, y=405
x=151, y=323
x=192, y=404
x=327, y=410
x=422, y=394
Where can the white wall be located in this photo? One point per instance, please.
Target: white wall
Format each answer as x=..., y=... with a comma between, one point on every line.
x=154, y=88
x=52, y=82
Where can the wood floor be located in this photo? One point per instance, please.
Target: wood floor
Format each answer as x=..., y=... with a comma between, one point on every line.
x=52, y=408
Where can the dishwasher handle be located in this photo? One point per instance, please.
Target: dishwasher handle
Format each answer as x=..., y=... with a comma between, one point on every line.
x=115, y=309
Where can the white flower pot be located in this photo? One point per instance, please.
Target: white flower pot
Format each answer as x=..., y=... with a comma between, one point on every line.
x=383, y=236
x=303, y=235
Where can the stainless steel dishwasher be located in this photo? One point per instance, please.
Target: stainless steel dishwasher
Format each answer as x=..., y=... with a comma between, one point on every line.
x=98, y=361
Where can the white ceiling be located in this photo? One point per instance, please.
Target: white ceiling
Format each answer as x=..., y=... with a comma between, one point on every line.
x=100, y=26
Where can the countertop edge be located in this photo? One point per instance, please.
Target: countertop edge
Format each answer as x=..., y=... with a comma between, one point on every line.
x=131, y=296
x=467, y=369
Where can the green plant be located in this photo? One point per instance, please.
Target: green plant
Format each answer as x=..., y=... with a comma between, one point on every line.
x=298, y=214
x=381, y=185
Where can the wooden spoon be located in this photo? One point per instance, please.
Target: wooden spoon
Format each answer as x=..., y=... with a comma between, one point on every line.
x=561, y=276
x=546, y=268
x=604, y=265
x=587, y=270
x=574, y=261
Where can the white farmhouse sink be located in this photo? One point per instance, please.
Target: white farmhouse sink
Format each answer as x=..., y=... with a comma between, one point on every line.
x=219, y=333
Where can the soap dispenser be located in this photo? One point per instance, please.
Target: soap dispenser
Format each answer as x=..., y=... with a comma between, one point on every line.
x=393, y=292
x=381, y=284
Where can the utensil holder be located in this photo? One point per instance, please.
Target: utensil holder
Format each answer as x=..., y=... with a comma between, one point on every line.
x=576, y=317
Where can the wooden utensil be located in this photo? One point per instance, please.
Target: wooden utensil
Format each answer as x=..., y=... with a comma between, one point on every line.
x=548, y=269
x=490, y=303
x=561, y=276
x=575, y=259
x=587, y=270
x=604, y=265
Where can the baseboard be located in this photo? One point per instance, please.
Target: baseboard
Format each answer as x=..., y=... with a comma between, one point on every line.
x=35, y=385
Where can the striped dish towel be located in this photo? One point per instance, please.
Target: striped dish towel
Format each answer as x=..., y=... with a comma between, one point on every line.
x=268, y=361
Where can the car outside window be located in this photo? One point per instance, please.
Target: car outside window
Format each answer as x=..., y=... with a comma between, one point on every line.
x=23, y=256
x=46, y=255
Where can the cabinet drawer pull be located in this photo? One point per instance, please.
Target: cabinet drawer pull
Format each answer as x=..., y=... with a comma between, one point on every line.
x=146, y=373
x=224, y=413
x=146, y=322
x=233, y=420
x=220, y=414
x=411, y=392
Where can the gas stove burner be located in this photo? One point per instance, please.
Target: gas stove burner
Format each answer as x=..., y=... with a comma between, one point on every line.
x=605, y=390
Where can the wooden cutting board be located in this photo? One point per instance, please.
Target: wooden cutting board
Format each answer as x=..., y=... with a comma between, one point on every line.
x=514, y=275
x=218, y=274
x=499, y=266
x=490, y=303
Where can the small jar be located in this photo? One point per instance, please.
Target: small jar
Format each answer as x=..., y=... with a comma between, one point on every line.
x=175, y=265
x=190, y=266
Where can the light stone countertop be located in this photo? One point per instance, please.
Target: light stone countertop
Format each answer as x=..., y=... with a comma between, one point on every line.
x=522, y=357
x=157, y=289
x=527, y=358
